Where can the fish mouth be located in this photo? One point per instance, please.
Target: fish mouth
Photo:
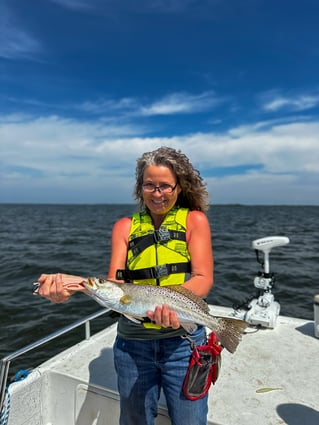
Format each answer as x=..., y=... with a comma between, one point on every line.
x=89, y=282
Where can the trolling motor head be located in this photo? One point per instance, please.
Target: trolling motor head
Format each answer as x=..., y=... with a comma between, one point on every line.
x=266, y=245
x=264, y=310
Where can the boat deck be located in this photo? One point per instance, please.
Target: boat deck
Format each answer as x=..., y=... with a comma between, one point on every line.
x=273, y=378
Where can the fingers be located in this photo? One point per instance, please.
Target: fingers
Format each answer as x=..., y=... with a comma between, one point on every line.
x=51, y=287
x=165, y=317
x=42, y=278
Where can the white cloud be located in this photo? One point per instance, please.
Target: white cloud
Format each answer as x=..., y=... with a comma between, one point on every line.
x=175, y=103
x=181, y=103
x=264, y=188
x=55, y=155
x=281, y=149
x=274, y=102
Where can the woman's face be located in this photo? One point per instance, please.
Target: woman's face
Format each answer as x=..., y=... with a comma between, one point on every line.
x=159, y=203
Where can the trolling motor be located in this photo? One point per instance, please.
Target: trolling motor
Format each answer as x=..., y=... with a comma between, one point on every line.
x=264, y=310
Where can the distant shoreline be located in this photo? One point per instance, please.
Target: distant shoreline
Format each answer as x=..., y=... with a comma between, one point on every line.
x=133, y=204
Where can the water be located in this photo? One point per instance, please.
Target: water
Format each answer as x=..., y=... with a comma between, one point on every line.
x=37, y=239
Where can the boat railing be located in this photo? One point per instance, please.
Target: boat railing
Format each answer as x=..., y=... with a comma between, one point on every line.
x=5, y=362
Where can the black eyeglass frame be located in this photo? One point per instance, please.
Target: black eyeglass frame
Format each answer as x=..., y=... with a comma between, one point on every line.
x=159, y=188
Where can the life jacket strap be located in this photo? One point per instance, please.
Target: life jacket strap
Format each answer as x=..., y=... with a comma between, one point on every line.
x=153, y=272
x=137, y=245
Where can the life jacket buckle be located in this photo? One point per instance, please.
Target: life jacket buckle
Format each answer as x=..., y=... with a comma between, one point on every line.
x=162, y=235
x=160, y=271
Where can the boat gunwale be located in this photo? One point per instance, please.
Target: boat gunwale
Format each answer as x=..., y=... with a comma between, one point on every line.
x=6, y=361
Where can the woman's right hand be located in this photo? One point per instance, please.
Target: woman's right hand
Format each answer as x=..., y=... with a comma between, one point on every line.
x=51, y=286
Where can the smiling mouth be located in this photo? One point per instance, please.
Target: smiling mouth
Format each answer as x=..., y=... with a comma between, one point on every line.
x=159, y=203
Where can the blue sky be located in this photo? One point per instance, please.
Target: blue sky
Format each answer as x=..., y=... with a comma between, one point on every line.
x=87, y=86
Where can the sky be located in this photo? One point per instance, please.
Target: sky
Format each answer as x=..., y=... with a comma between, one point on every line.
x=87, y=86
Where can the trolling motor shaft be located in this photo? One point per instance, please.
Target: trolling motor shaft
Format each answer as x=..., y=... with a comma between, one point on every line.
x=264, y=310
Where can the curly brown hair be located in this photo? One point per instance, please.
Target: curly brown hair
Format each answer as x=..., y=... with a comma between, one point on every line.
x=193, y=193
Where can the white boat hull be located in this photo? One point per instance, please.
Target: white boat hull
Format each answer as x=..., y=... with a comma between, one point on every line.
x=272, y=378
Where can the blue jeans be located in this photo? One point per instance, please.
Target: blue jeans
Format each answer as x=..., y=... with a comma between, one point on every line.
x=144, y=367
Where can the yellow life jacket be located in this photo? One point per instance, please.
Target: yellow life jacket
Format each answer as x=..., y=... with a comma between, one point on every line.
x=157, y=257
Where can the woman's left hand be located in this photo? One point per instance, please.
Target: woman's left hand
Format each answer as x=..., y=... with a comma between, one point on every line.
x=165, y=317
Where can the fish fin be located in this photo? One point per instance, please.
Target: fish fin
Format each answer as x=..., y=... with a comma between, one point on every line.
x=131, y=318
x=126, y=299
x=189, y=294
x=189, y=327
x=230, y=332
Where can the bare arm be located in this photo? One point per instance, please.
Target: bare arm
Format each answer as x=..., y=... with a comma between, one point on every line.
x=199, y=243
x=119, y=246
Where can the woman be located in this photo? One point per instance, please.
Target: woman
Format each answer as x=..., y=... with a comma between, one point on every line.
x=167, y=243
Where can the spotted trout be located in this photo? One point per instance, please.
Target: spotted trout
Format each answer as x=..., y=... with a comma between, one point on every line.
x=134, y=301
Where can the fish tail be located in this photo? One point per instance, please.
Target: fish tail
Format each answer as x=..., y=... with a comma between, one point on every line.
x=230, y=332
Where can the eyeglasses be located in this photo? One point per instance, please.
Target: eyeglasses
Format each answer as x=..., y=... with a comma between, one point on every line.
x=163, y=188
